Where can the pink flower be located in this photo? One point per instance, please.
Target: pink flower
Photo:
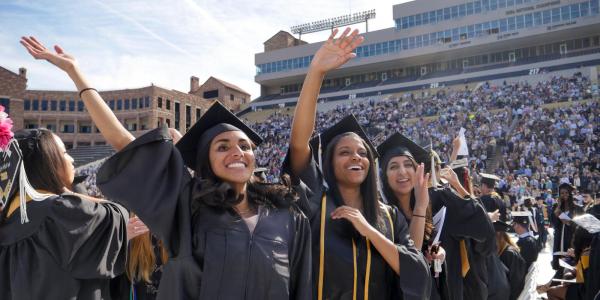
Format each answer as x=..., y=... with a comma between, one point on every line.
x=6, y=125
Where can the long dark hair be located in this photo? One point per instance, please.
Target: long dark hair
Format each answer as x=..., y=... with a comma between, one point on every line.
x=368, y=189
x=210, y=190
x=43, y=160
x=390, y=196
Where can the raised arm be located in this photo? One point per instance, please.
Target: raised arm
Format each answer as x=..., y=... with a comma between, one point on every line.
x=110, y=127
x=332, y=54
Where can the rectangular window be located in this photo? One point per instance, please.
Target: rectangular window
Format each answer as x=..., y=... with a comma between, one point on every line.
x=111, y=104
x=36, y=105
x=512, y=24
x=546, y=17
x=537, y=18
x=447, y=13
x=177, y=115
x=575, y=13
x=146, y=101
x=528, y=20
x=594, y=7
x=520, y=21
x=411, y=21
x=62, y=105
x=556, y=15
x=477, y=7
x=119, y=104
x=418, y=20
x=584, y=8
x=503, y=23
x=439, y=15
x=188, y=117
x=80, y=106
x=432, y=17
x=68, y=128
x=510, y=3
x=469, y=8
x=454, y=11
x=127, y=107
x=134, y=103
x=53, y=105
x=565, y=12
x=71, y=105
x=493, y=4
x=198, y=113
x=159, y=103
x=501, y=3
x=168, y=104
x=462, y=10
x=44, y=105
x=27, y=104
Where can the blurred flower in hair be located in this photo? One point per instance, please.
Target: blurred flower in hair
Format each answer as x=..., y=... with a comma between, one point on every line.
x=6, y=125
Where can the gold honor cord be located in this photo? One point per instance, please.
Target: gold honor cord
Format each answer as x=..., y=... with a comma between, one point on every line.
x=322, y=257
x=464, y=258
x=391, y=222
x=322, y=248
x=368, y=271
x=582, y=265
x=355, y=271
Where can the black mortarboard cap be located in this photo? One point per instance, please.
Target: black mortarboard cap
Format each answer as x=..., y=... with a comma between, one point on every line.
x=216, y=120
x=398, y=144
x=489, y=179
x=502, y=226
x=347, y=124
x=566, y=185
x=521, y=217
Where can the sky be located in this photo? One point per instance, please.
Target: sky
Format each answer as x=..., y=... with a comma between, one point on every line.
x=131, y=44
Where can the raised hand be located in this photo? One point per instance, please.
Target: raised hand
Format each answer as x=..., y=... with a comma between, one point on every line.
x=135, y=228
x=421, y=181
x=58, y=58
x=355, y=217
x=336, y=52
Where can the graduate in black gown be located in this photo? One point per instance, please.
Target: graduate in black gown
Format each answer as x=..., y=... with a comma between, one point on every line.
x=404, y=185
x=509, y=254
x=489, y=198
x=226, y=236
x=564, y=210
x=528, y=245
x=54, y=244
x=472, y=236
x=361, y=247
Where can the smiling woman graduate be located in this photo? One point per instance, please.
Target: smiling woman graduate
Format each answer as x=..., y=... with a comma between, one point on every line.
x=361, y=247
x=227, y=236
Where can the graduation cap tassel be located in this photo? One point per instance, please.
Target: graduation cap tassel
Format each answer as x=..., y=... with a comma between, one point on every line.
x=320, y=158
x=25, y=189
x=434, y=181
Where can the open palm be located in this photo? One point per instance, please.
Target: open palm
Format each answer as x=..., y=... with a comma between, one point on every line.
x=336, y=52
x=59, y=58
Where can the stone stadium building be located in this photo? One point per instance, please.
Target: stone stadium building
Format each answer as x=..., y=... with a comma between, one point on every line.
x=443, y=43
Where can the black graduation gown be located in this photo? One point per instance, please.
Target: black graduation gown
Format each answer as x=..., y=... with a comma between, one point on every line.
x=563, y=233
x=69, y=249
x=414, y=281
x=492, y=203
x=212, y=255
x=498, y=286
x=517, y=270
x=592, y=281
x=466, y=219
x=529, y=250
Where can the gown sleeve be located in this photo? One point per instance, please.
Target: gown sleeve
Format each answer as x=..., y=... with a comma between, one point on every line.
x=147, y=176
x=414, y=280
x=308, y=184
x=301, y=264
x=466, y=218
x=88, y=239
x=516, y=271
